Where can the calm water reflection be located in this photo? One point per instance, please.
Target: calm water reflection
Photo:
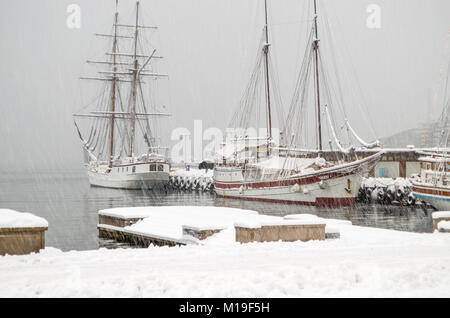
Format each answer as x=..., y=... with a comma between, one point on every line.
x=70, y=205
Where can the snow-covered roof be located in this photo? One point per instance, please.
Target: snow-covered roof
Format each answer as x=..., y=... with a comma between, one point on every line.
x=435, y=159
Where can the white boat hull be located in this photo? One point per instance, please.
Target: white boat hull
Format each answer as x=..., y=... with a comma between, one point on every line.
x=332, y=187
x=147, y=180
x=144, y=175
x=437, y=196
x=333, y=192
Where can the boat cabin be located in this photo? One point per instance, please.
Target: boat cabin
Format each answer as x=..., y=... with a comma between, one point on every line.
x=435, y=170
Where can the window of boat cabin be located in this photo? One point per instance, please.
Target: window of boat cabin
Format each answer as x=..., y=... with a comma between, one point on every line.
x=271, y=174
x=152, y=167
x=251, y=173
x=258, y=174
x=133, y=169
x=160, y=168
x=277, y=174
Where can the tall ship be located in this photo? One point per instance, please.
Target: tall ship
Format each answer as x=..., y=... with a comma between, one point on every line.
x=258, y=168
x=119, y=133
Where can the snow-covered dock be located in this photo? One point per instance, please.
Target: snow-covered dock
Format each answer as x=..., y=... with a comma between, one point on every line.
x=21, y=233
x=285, y=231
x=441, y=221
x=137, y=238
x=183, y=225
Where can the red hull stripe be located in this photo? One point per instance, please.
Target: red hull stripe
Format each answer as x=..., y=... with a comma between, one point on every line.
x=431, y=190
x=320, y=202
x=284, y=183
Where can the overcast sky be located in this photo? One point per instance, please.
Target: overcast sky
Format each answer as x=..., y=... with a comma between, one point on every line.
x=209, y=48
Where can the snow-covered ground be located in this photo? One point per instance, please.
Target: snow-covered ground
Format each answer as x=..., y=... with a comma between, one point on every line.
x=364, y=262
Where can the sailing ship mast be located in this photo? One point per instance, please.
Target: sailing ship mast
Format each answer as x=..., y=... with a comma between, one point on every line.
x=257, y=89
x=132, y=73
x=308, y=92
x=117, y=126
x=316, y=59
x=266, y=69
x=113, y=98
x=136, y=64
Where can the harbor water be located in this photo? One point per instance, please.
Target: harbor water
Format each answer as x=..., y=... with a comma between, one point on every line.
x=70, y=205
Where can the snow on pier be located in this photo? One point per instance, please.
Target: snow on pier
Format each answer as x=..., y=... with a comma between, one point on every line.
x=14, y=219
x=441, y=221
x=21, y=233
x=183, y=225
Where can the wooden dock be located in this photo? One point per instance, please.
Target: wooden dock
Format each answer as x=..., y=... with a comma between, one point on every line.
x=439, y=217
x=119, y=227
x=23, y=240
x=281, y=232
x=136, y=238
x=113, y=227
x=21, y=233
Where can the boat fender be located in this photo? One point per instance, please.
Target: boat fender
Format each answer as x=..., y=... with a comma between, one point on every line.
x=295, y=188
x=241, y=189
x=411, y=199
x=305, y=191
x=374, y=194
x=323, y=184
